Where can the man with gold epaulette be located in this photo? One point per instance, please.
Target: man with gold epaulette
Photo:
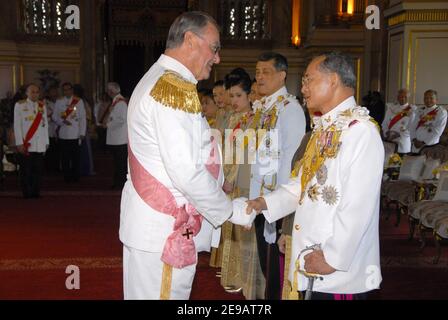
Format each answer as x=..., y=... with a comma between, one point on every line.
x=334, y=191
x=31, y=133
x=174, y=194
x=280, y=130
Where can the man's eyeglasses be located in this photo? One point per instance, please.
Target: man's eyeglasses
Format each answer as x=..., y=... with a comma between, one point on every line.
x=215, y=48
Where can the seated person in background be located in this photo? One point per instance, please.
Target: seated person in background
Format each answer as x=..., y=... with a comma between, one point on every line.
x=398, y=121
x=429, y=123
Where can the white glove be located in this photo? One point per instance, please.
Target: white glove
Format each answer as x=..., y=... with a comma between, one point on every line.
x=239, y=215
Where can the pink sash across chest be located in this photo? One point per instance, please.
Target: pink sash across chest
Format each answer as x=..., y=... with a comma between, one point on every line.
x=179, y=250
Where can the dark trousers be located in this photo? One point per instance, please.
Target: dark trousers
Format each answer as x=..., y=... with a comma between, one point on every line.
x=70, y=159
x=269, y=260
x=120, y=157
x=101, y=141
x=52, y=156
x=31, y=167
x=331, y=296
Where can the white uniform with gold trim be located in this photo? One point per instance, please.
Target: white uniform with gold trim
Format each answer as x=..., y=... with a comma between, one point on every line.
x=432, y=128
x=77, y=119
x=402, y=127
x=172, y=145
x=25, y=112
x=274, y=154
x=340, y=208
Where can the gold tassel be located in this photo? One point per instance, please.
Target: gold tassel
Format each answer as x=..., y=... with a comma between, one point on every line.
x=294, y=293
x=167, y=277
x=286, y=294
x=173, y=91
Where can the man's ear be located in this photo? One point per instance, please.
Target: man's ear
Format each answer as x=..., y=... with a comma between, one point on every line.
x=284, y=74
x=189, y=39
x=335, y=81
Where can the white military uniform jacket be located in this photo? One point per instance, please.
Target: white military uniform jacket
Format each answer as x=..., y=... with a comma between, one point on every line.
x=432, y=128
x=403, y=126
x=77, y=119
x=25, y=112
x=168, y=143
x=117, y=127
x=340, y=208
x=51, y=124
x=274, y=154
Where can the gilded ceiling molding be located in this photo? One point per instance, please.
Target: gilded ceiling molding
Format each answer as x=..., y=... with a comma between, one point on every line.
x=413, y=16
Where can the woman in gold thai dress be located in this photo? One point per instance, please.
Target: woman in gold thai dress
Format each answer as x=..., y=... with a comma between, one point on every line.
x=241, y=269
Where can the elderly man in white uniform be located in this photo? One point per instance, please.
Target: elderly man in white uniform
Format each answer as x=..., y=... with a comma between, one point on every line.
x=284, y=121
x=334, y=190
x=31, y=132
x=117, y=134
x=429, y=123
x=175, y=179
x=398, y=122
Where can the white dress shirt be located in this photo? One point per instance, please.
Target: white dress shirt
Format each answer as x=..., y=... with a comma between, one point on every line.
x=273, y=163
x=340, y=210
x=77, y=119
x=402, y=127
x=24, y=114
x=169, y=144
x=117, y=127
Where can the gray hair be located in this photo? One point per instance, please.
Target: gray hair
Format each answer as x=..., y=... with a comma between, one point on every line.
x=342, y=65
x=194, y=21
x=114, y=86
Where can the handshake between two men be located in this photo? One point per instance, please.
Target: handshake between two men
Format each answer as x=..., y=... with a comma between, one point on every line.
x=245, y=211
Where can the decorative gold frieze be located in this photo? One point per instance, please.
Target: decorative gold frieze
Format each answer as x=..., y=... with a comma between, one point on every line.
x=419, y=16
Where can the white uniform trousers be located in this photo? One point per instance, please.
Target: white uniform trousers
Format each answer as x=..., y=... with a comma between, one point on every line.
x=142, y=276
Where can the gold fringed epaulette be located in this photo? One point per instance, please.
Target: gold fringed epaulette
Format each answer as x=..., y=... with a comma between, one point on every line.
x=175, y=92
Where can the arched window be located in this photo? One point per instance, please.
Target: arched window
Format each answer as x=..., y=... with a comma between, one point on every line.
x=245, y=19
x=45, y=17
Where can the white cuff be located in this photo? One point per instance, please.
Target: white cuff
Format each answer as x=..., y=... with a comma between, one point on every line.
x=240, y=216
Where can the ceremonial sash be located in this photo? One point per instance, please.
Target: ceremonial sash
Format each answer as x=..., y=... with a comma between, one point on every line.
x=110, y=108
x=399, y=116
x=179, y=250
x=429, y=116
x=68, y=112
x=70, y=108
x=34, y=126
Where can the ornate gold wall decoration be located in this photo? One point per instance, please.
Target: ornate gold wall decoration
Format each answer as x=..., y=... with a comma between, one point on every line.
x=418, y=16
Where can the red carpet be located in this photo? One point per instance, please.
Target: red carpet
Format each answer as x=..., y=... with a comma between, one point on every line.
x=71, y=225
x=78, y=225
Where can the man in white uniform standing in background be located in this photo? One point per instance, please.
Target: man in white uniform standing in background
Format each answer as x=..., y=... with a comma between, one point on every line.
x=283, y=120
x=117, y=134
x=70, y=117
